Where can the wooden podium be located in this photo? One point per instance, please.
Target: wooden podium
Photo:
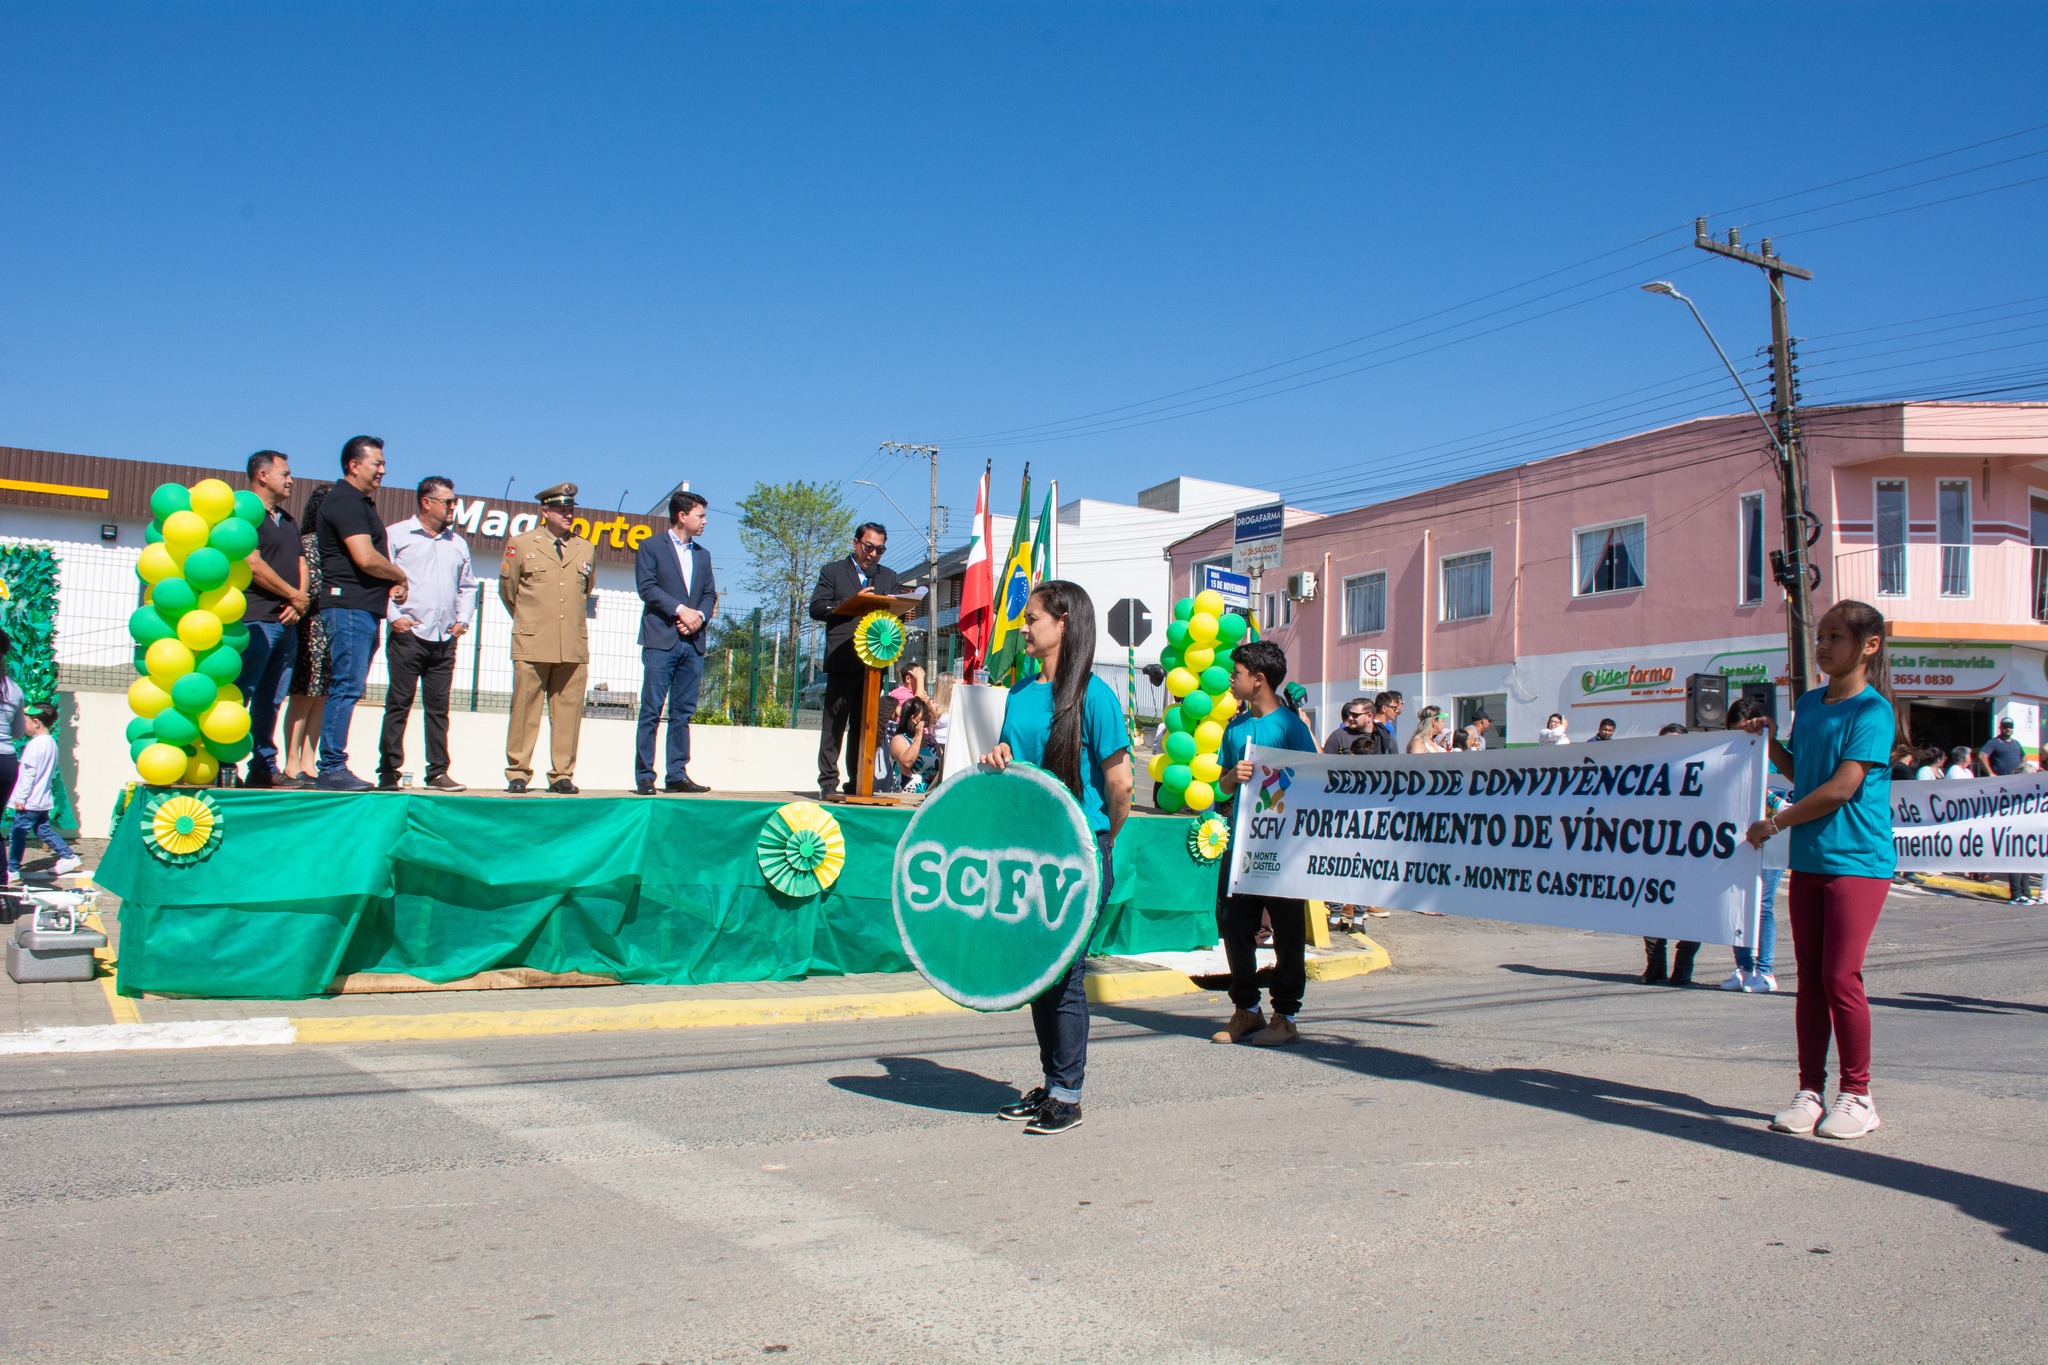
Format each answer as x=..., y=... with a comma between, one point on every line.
x=902, y=608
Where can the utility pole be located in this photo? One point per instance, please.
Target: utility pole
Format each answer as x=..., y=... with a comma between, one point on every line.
x=1791, y=566
x=931, y=563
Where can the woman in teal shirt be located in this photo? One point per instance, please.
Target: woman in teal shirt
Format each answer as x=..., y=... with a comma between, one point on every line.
x=1067, y=721
x=1842, y=860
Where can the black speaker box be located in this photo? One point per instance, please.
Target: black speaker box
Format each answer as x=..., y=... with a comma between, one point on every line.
x=1706, y=701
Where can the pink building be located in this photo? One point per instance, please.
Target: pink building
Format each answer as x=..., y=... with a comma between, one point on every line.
x=1592, y=583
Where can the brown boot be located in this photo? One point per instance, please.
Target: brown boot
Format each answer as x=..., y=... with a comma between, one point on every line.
x=1243, y=1024
x=1279, y=1033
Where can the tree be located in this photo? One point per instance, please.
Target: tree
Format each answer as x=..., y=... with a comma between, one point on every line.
x=790, y=531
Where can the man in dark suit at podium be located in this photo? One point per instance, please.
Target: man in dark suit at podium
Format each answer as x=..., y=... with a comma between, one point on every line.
x=845, y=674
x=678, y=598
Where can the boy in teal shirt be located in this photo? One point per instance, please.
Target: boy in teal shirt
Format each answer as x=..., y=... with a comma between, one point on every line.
x=1257, y=672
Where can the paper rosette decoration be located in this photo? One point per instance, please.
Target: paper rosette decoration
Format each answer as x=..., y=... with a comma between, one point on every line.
x=181, y=827
x=801, y=850
x=878, y=639
x=1208, y=838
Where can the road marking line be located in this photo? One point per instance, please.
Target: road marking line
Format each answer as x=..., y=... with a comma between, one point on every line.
x=934, y=1290
x=139, y=1037
x=795, y=1009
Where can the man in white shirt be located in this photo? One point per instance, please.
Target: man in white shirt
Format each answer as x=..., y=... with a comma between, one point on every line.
x=678, y=597
x=438, y=608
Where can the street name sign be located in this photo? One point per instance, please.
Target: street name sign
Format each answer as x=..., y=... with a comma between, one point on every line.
x=1235, y=588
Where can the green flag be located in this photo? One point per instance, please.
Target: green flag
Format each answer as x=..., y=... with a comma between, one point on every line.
x=1013, y=588
x=1041, y=544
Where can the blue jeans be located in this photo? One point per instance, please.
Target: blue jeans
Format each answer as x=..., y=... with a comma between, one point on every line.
x=351, y=644
x=1765, y=956
x=36, y=822
x=670, y=678
x=1060, y=1016
x=266, y=675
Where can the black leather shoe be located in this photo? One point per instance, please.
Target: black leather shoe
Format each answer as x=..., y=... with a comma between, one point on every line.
x=259, y=776
x=644, y=787
x=445, y=783
x=686, y=785
x=517, y=784
x=1025, y=1107
x=562, y=786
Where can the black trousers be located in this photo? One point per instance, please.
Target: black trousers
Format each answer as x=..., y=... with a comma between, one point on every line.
x=1237, y=921
x=839, y=729
x=428, y=667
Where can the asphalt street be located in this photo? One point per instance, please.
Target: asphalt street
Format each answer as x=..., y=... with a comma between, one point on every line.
x=1502, y=1148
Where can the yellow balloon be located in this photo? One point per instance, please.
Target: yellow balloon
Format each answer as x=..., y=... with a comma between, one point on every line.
x=1180, y=682
x=224, y=722
x=202, y=769
x=225, y=602
x=1205, y=768
x=156, y=565
x=239, y=575
x=162, y=764
x=168, y=661
x=1199, y=795
x=1201, y=629
x=1223, y=708
x=213, y=500
x=1208, y=737
x=184, y=532
x=145, y=698
x=199, y=629
x=1198, y=657
x=1158, y=766
x=1209, y=602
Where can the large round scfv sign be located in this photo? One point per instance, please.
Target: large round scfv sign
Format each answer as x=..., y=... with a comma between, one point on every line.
x=995, y=886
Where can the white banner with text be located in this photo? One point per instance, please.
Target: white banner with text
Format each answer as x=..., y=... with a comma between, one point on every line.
x=1979, y=824
x=1637, y=836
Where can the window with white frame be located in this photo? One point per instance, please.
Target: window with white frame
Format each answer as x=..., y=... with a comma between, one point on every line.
x=1365, y=604
x=1750, y=547
x=1468, y=586
x=1610, y=558
x=1195, y=573
x=1953, y=515
x=1890, y=509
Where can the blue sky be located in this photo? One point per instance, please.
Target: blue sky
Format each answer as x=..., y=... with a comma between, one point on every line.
x=630, y=244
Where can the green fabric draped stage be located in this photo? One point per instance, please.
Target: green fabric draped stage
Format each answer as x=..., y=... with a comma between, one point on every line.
x=306, y=887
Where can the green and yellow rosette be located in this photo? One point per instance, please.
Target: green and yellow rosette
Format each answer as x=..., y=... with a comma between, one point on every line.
x=879, y=639
x=1208, y=838
x=801, y=850
x=181, y=828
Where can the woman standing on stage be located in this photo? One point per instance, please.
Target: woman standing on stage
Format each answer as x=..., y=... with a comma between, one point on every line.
x=1067, y=721
x=1842, y=860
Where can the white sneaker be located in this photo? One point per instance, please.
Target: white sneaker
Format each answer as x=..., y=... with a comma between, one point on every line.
x=1763, y=983
x=1853, y=1116
x=1736, y=981
x=1801, y=1115
x=66, y=866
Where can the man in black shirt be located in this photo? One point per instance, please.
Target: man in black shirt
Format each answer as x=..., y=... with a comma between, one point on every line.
x=1358, y=725
x=360, y=580
x=277, y=603
x=845, y=674
x=2004, y=757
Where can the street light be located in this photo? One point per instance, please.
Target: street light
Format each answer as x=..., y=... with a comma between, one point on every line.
x=1668, y=288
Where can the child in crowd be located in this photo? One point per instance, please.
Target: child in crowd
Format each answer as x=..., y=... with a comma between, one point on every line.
x=1842, y=860
x=1257, y=671
x=34, y=795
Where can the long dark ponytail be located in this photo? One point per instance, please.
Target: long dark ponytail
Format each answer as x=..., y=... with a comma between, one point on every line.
x=1069, y=602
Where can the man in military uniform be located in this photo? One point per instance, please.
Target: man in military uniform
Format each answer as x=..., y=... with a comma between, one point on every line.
x=545, y=582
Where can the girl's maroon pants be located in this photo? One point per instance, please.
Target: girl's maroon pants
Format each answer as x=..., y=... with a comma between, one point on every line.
x=1833, y=918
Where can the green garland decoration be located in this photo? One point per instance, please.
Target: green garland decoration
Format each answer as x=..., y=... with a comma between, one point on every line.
x=1208, y=838
x=181, y=827
x=879, y=639
x=801, y=849
x=28, y=612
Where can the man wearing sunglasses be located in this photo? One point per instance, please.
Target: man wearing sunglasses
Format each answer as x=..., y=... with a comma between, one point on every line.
x=424, y=629
x=1357, y=727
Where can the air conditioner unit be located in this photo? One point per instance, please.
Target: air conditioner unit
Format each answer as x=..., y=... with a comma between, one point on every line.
x=1301, y=586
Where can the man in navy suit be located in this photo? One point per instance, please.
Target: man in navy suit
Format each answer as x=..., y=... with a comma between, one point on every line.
x=845, y=674
x=678, y=596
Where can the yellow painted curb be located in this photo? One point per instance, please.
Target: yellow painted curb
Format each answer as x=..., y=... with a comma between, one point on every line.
x=1963, y=886
x=1109, y=988
x=118, y=1005
x=1337, y=966
x=387, y=1028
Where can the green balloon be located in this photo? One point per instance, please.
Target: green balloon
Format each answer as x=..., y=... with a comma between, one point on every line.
x=169, y=498
x=207, y=568
x=1230, y=628
x=136, y=747
x=1215, y=681
x=1169, y=799
x=1177, y=634
x=1176, y=777
x=1196, y=706
x=192, y=694
x=175, y=727
x=152, y=534
x=173, y=598
x=1176, y=719
x=232, y=753
x=145, y=627
x=221, y=664
x=233, y=537
x=1180, y=746
x=1223, y=660
x=1183, y=609
x=142, y=727
x=250, y=508
x=235, y=635
x=1171, y=658
x=141, y=659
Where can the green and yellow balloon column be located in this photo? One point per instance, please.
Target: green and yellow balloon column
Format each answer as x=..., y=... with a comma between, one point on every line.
x=1199, y=641
x=189, y=719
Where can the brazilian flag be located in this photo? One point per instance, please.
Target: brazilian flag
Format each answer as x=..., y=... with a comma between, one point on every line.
x=1013, y=589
